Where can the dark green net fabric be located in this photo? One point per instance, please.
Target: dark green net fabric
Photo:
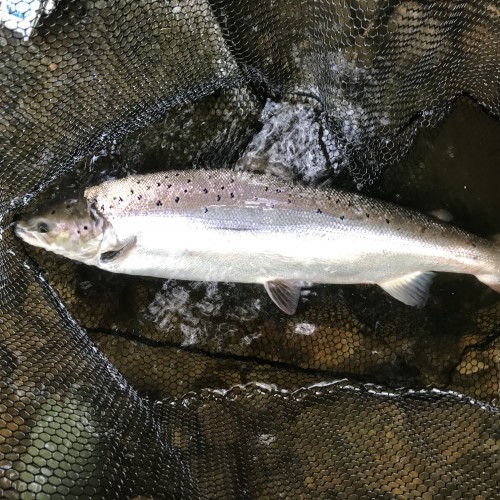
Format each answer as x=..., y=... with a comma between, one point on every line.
x=124, y=387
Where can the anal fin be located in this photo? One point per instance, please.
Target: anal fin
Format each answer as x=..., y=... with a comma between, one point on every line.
x=284, y=293
x=411, y=289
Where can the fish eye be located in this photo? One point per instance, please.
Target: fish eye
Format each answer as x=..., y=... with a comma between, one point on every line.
x=42, y=227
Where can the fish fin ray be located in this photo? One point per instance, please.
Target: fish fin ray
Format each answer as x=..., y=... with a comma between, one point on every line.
x=492, y=280
x=285, y=294
x=113, y=255
x=411, y=289
x=441, y=214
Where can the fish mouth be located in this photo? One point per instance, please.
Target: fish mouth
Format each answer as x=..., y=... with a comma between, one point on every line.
x=28, y=236
x=21, y=232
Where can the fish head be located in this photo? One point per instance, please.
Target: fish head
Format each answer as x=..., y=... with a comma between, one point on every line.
x=72, y=228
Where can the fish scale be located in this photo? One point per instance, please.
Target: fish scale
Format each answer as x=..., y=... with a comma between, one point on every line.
x=238, y=226
x=151, y=193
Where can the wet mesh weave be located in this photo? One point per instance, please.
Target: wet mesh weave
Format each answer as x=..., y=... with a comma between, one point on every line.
x=125, y=387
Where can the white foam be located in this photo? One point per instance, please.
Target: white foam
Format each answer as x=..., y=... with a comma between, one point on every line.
x=289, y=142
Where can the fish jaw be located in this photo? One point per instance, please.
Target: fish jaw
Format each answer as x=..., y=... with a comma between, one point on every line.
x=29, y=237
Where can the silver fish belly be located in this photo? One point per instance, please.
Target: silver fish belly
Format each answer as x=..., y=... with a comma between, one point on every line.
x=242, y=227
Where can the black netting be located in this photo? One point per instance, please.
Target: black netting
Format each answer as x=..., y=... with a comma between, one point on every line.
x=124, y=387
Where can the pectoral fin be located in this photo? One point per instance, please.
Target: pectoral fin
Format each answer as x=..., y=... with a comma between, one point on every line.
x=412, y=289
x=285, y=294
x=120, y=252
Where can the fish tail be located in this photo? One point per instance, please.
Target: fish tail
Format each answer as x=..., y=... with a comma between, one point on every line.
x=492, y=280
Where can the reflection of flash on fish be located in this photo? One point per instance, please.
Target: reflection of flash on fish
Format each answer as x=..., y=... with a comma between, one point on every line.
x=242, y=227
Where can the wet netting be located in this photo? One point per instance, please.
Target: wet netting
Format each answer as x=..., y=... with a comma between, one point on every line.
x=125, y=387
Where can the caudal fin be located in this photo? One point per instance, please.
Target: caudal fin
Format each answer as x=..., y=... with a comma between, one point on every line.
x=492, y=280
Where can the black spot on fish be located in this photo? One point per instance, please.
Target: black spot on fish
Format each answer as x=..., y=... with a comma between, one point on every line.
x=387, y=220
x=256, y=199
x=131, y=191
x=222, y=187
x=205, y=190
x=266, y=189
x=278, y=190
x=177, y=199
x=349, y=204
x=120, y=198
x=218, y=197
x=185, y=190
x=189, y=180
x=289, y=200
x=272, y=205
x=341, y=217
x=53, y=212
x=367, y=215
x=158, y=203
x=158, y=184
x=337, y=201
x=232, y=195
x=85, y=228
x=114, y=197
x=319, y=211
x=177, y=174
x=169, y=186
x=206, y=209
x=474, y=245
x=78, y=231
x=148, y=187
x=138, y=182
x=139, y=197
x=232, y=180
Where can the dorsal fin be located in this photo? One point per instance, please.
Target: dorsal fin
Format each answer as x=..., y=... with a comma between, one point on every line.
x=285, y=294
x=411, y=289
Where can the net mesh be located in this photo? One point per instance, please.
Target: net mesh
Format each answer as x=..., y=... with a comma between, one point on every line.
x=124, y=387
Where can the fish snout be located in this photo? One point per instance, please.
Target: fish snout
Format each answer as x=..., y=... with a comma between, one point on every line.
x=26, y=229
x=21, y=231
x=19, y=223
